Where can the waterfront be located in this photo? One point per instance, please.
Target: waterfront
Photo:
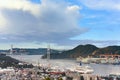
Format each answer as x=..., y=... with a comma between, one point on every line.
x=99, y=69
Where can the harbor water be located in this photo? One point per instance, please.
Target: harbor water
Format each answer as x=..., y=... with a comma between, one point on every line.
x=99, y=69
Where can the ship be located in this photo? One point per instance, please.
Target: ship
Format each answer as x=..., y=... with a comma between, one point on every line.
x=82, y=69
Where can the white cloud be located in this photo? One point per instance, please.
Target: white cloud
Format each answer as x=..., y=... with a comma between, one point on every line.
x=3, y=21
x=48, y=21
x=102, y=4
x=24, y=5
x=73, y=8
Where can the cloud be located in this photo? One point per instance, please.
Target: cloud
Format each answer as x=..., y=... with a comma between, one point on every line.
x=102, y=4
x=48, y=21
x=23, y=5
x=2, y=21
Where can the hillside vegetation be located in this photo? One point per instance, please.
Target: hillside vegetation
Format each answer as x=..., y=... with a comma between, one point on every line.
x=84, y=51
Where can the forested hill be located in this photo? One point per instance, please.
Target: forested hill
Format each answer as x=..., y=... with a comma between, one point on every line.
x=107, y=50
x=80, y=50
x=85, y=50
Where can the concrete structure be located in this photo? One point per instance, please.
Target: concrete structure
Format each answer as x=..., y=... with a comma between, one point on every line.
x=110, y=56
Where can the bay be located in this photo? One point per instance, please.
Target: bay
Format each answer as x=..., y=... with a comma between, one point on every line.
x=99, y=69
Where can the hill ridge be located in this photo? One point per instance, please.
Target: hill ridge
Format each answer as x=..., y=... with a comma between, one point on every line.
x=86, y=50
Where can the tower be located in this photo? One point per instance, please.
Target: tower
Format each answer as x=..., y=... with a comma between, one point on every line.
x=11, y=50
x=48, y=53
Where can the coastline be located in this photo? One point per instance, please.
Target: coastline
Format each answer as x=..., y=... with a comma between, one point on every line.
x=61, y=63
x=68, y=63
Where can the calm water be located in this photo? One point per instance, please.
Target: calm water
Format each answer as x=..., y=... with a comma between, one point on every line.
x=99, y=69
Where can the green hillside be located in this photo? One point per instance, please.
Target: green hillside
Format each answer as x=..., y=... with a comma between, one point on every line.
x=84, y=51
x=108, y=50
x=81, y=50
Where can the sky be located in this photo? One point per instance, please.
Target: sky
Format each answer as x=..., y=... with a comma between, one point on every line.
x=63, y=24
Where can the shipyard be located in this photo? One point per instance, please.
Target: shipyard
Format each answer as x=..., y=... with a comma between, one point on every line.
x=101, y=59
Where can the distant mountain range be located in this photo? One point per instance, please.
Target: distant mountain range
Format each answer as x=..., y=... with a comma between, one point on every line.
x=81, y=50
x=84, y=51
x=39, y=51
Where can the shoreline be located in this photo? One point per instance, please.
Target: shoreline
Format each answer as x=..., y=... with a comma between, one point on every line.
x=70, y=75
x=68, y=63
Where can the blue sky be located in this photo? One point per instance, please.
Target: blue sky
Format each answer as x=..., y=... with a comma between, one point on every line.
x=62, y=23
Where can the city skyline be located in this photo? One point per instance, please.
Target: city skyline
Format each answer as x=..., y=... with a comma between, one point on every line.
x=62, y=23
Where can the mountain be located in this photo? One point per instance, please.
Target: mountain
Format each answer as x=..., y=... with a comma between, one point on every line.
x=107, y=50
x=6, y=61
x=81, y=50
x=29, y=51
x=84, y=51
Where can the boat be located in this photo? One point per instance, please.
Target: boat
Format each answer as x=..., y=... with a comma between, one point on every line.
x=55, y=70
x=6, y=70
x=115, y=76
x=82, y=69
